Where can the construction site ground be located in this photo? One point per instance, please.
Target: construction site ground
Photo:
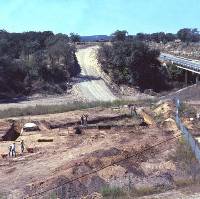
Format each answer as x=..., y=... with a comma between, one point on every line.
x=121, y=148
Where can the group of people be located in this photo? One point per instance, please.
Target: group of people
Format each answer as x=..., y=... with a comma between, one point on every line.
x=84, y=119
x=12, y=149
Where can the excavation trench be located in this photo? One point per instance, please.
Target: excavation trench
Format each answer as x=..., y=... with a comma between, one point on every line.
x=92, y=123
x=12, y=132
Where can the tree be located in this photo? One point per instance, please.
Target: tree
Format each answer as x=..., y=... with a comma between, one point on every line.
x=133, y=63
x=141, y=36
x=75, y=37
x=119, y=35
x=170, y=37
x=188, y=35
x=35, y=62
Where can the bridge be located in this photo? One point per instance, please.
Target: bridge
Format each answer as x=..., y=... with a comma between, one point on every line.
x=183, y=63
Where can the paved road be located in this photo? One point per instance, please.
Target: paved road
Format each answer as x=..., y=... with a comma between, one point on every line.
x=187, y=64
x=93, y=88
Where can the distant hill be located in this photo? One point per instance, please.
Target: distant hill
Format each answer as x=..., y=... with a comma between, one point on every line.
x=93, y=38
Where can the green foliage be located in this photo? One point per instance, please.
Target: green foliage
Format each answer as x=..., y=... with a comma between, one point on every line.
x=132, y=62
x=112, y=192
x=119, y=35
x=175, y=73
x=35, y=58
x=184, y=153
x=188, y=35
x=75, y=37
x=156, y=37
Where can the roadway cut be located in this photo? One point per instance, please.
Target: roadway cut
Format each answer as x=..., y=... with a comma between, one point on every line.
x=93, y=87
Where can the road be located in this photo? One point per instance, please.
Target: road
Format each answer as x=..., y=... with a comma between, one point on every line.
x=181, y=62
x=90, y=87
x=93, y=87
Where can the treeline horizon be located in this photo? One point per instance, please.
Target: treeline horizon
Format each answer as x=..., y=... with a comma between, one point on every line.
x=184, y=34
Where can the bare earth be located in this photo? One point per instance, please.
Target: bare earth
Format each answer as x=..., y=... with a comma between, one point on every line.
x=95, y=88
x=70, y=156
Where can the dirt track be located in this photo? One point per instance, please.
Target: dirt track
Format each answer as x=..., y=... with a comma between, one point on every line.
x=93, y=88
x=88, y=87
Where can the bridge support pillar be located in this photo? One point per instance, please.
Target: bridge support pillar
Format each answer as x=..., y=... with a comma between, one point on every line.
x=186, y=77
x=197, y=80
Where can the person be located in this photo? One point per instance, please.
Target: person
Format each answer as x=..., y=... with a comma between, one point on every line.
x=135, y=111
x=82, y=120
x=22, y=146
x=86, y=119
x=10, y=150
x=13, y=149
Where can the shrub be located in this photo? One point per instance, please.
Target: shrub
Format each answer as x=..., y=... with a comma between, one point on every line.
x=112, y=192
x=133, y=62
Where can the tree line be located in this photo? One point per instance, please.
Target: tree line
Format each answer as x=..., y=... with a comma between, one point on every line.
x=36, y=62
x=129, y=60
x=133, y=62
x=185, y=35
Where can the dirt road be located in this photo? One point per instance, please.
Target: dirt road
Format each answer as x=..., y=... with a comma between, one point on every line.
x=89, y=87
x=93, y=88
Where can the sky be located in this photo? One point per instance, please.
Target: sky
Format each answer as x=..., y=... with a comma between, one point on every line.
x=95, y=17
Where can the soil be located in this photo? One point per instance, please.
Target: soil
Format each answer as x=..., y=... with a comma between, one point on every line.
x=70, y=156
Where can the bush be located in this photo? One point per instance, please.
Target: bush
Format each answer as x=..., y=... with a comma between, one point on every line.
x=27, y=58
x=112, y=192
x=144, y=191
x=134, y=63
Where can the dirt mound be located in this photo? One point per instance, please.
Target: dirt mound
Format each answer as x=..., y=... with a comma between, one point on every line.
x=148, y=119
x=164, y=109
x=170, y=125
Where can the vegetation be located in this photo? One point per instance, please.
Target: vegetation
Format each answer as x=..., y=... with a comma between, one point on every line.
x=186, y=111
x=35, y=62
x=187, y=161
x=75, y=37
x=145, y=191
x=133, y=62
x=157, y=37
x=185, y=35
x=188, y=35
x=119, y=35
x=112, y=192
x=50, y=109
x=175, y=73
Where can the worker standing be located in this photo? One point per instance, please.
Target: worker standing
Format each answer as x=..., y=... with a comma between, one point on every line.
x=86, y=119
x=10, y=150
x=22, y=146
x=13, y=150
x=82, y=120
